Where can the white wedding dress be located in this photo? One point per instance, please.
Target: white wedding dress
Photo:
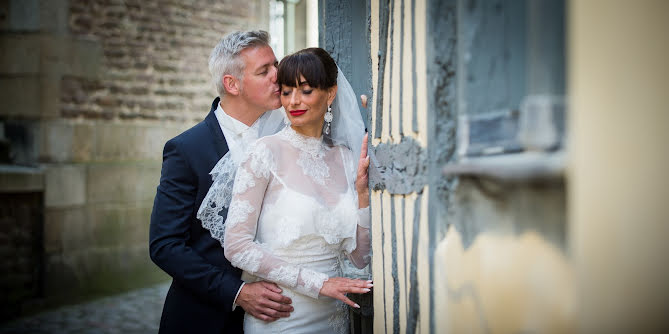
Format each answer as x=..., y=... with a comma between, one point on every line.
x=294, y=212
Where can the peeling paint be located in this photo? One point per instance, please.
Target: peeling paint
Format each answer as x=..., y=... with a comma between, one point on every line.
x=509, y=283
x=401, y=167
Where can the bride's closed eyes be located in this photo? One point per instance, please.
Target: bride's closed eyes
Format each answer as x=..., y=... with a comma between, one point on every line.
x=304, y=91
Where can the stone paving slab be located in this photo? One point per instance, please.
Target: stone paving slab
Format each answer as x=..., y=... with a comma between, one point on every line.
x=133, y=312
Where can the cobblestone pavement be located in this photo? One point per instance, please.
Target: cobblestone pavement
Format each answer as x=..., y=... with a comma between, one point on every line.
x=134, y=312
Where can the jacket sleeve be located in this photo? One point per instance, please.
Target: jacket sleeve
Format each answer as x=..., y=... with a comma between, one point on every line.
x=170, y=228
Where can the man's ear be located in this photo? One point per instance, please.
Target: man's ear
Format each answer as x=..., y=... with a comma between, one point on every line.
x=231, y=84
x=332, y=92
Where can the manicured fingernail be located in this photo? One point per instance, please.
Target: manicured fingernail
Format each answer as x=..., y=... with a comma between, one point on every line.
x=366, y=290
x=369, y=281
x=370, y=285
x=356, y=306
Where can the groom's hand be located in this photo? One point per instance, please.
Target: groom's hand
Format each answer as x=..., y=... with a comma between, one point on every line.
x=264, y=301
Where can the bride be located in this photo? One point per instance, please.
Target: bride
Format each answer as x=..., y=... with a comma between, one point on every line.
x=297, y=204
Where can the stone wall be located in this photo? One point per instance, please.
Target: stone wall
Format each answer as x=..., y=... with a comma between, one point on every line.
x=92, y=90
x=154, y=55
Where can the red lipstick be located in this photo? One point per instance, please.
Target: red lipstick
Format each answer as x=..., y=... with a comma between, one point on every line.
x=297, y=112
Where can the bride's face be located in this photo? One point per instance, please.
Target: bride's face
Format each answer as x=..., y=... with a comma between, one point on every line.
x=306, y=106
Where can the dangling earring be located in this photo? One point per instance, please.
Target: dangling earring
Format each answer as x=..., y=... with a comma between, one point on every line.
x=328, y=120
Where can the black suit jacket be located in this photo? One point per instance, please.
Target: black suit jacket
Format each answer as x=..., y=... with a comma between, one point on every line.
x=204, y=283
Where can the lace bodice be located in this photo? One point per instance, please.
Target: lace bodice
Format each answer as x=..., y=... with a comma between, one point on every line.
x=294, y=206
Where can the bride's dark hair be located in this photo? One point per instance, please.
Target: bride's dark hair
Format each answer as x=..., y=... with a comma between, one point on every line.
x=314, y=64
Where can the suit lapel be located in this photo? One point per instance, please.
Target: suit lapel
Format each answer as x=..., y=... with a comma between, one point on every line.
x=220, y=145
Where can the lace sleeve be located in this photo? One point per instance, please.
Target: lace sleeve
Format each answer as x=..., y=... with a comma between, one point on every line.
x=361, y=255
x=358, y=248
x=253, y=177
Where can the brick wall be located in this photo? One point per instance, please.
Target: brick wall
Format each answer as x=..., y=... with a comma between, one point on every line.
x=92, y=90
x=154, y=56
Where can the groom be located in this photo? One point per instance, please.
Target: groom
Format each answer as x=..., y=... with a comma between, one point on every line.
x=206, y=289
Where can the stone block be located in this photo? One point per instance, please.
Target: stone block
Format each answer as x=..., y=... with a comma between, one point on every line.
x=61, y=277
x=66, y=141
x=115, y=141
x=136, y=268
x=65, y=185
x=54, y=54
x=85, y=58
x=83, y=142
x=57, y=142
x=150, y=141
x=106, y=225
x=126, y=182
x=64, y=55
x=21, y=179
x=106, y=182
x=149, y=177
x=20, y=54
x=20, y=95
x=130, y=141
x=50, y=95
x=53, y=231
x=136, y=225
x=24, y=15
x=54, y=15
x=99, y=271
x=66, y=229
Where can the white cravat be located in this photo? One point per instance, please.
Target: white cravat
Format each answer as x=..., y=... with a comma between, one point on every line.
x=237, y=134
x=239, y=137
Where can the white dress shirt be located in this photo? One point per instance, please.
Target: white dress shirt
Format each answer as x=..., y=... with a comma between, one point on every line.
x=239, y=137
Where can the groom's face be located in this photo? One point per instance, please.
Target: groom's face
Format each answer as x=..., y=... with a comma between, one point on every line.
x=259, y=86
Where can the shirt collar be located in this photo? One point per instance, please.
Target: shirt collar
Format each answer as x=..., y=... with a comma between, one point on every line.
x=229, y=123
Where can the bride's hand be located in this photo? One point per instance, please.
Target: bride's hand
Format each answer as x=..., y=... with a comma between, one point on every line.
x=362, y=181
x=338, y=287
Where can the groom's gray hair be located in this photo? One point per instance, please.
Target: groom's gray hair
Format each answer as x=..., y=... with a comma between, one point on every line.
x=224, y=58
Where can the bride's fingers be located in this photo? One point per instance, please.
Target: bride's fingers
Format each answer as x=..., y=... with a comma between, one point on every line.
x=358, y=290
x=363, y=147
x=363, y=167
x=357, y=283
x=361, y=284
x=348, y=301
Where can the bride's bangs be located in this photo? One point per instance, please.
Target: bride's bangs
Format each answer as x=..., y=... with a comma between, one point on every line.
x=301, y=64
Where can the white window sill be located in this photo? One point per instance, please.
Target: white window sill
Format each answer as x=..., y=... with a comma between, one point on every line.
x=524, y=166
